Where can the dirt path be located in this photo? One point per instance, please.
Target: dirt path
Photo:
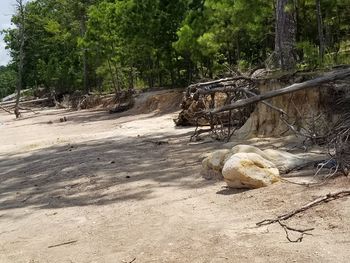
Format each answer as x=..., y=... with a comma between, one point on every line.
x=98, y=189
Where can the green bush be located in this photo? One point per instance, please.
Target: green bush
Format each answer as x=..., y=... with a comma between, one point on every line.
x=310, y=57
x=8, y=79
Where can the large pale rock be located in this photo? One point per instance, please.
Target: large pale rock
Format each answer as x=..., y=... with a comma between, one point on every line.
x=247, y=149
x=249, y=170
x=212, y=165
x=216, y=160
x=284, y=161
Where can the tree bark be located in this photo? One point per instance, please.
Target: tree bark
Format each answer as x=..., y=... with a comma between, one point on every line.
x=112, y=75
x=85, y=60
x=20, y=10
x=320, y=29
x=285, y=39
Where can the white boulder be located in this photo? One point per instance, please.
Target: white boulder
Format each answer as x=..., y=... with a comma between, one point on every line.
x=249, y=170
x=284, y=161
x=216, y=160
x=212, y=165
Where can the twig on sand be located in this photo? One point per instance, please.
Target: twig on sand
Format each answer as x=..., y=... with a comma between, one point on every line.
x=64, y=244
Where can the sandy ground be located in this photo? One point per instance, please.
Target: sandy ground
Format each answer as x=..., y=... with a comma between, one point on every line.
x=98, y=189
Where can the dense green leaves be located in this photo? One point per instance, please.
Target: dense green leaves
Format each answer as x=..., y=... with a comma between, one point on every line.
x=115, y=44
x=8, y=80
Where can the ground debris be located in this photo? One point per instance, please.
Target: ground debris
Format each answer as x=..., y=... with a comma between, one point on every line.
x=157, y=142
x=63, y=244
x=124, y=261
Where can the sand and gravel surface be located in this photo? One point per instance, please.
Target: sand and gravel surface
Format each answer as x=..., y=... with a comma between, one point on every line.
x=127, y=188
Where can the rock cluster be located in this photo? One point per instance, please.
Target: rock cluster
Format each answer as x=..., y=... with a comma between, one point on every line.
x=246, y=166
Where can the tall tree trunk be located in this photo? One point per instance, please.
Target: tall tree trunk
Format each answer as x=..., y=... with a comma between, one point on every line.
x=112, y=75
x=85, y=72
x=131, y=78
x=85, y=62
x=159, y=73
x=117, y=80
x=320, y=29
x=285, y=40
x=20, y=10
x=115, y=65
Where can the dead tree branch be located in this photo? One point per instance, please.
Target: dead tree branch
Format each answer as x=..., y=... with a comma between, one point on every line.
x=6, y=110
x=12, y=103
x=265, y=102
x=320, y=200
x=323, y=199
x=215, y=82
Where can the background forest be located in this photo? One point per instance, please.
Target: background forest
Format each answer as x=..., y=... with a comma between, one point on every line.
x=107, y=45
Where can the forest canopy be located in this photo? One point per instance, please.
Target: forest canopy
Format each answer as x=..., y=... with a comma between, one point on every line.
x=107, y=45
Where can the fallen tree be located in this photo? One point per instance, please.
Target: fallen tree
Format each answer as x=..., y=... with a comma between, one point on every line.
x=333, y=76
x=226, y=104
x=24, y=102
x=10, y=106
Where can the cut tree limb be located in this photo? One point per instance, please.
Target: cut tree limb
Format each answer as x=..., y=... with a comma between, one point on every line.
x=340, y=74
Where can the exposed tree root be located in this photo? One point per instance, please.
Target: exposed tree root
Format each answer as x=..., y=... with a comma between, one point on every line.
x=227, y=103
x=340, y=74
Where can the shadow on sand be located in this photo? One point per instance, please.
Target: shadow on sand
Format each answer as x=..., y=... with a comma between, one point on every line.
x=99, y=172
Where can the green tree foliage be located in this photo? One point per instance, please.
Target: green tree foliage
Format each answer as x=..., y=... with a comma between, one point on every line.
x=117, y=44
x=8, y=80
